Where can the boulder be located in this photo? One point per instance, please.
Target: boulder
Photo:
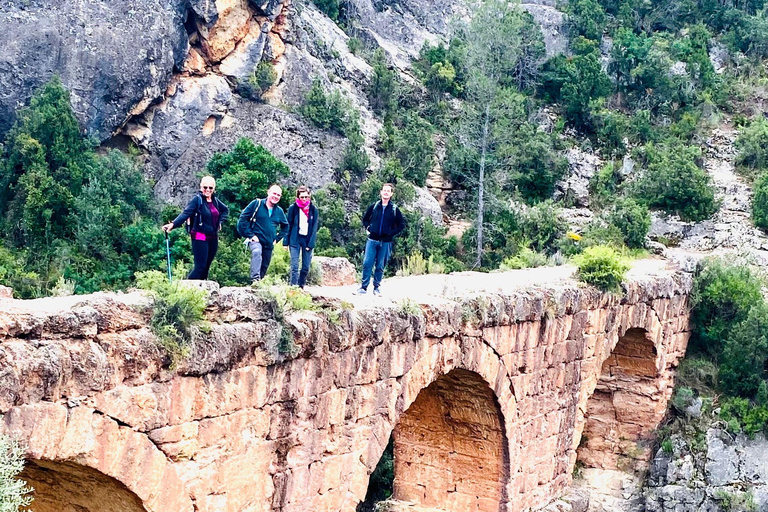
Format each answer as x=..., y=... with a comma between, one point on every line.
x=6, y=292
x=115, y=57
x=336, y=271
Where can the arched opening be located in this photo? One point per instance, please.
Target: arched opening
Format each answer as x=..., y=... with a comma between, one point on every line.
x=68, y=487
x=622, y=411
x=450, y=449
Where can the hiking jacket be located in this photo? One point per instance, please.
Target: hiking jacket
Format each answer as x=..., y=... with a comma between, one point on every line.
x=313, y=223
x=383, y=224
x=200, y=216
x=264, y=225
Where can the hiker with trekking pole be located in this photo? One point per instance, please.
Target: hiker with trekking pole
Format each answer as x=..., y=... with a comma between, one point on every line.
x=204, y=215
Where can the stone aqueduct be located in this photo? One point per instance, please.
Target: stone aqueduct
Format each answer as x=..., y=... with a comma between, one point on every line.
x=487, y=395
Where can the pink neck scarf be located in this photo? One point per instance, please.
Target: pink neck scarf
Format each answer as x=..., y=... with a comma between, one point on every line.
x=304, y=205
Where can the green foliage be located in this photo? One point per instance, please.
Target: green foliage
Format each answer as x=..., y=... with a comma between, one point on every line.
x=77, y=212
x=354, y=45
x=410, y=143
x=604, y=185
x=760, y=202
x=736, y=501
x=603, y=267
x=745, y=351
x=722, y=297
x=587, y=18
x=752, y=146
x=383, y=88
x=331, y=8
x=742, y=416
x=176, y=309
x=634, y=221
x=683, y=398
x=674, y=182
x=382, y=479
x=330, y=111
x=576, y=81
x=542, y=225
x=14, y=493
x=526, y=258
x=244, y=173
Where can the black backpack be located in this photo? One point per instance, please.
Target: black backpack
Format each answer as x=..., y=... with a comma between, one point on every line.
x=259, y=202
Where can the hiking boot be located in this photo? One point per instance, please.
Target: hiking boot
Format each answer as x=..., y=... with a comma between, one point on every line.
x=361, y=291
x=376, y=292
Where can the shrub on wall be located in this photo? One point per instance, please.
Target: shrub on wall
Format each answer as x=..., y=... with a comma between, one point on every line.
x=602, y=267
x=14, y=493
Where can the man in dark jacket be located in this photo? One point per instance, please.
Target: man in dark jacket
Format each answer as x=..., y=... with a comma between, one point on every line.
x=384, y=222
x=259, y=224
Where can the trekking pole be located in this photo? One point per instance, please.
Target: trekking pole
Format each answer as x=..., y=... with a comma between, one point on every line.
x=168, y=254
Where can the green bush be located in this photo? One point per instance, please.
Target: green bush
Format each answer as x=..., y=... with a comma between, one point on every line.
x=329, y=111
x=634, y=221
x=745, y=351
x=742, y=416
x=674, y=182
x=383, y=88
x=721, y=298
x=244, y=173
x=526, y=258
x=14, y=493
x=602, y=267
x=354, y=45
x=176, y=310
x=752, y=147
x=330, y=7
x=760, y=202
x=542, y=225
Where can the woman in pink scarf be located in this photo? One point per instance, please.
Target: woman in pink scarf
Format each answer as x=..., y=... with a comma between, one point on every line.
x=303, y=221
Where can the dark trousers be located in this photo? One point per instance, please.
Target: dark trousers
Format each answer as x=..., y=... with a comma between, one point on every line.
x=300, y=251
x=203, y=252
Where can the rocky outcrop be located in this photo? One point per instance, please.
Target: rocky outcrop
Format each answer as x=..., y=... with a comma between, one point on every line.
x=574, y=188
x=730, y=474
x=115, y=57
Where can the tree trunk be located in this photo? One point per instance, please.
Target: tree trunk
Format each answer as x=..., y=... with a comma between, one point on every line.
x=481, y=187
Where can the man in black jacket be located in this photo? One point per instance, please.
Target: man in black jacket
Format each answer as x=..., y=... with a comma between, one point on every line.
x=384, y=222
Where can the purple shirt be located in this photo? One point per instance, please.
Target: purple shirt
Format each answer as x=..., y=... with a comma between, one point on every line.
x=196, y=235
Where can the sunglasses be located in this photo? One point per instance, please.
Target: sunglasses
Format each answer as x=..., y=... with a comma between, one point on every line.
x=207, y=188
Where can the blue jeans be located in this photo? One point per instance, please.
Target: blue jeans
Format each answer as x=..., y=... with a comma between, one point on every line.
x=375, y=253
x=300, y=251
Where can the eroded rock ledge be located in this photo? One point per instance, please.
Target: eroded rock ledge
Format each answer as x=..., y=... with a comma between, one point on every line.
x=238, y=425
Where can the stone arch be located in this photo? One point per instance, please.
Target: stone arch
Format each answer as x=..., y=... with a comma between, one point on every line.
x=450, y=447
x=69, y=487
x=622, y=410
x=82, y=441
x=438, y=359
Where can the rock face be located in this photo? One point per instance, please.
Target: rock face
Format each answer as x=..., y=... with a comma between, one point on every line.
x=730, y=229
x=574, y=188
x=731, y=473
x=115, y=57
x=504, y=365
